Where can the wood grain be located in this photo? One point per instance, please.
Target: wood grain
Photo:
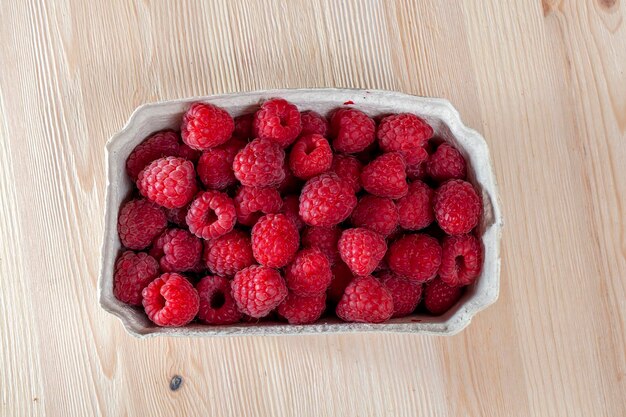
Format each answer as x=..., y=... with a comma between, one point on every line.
x=544, y=81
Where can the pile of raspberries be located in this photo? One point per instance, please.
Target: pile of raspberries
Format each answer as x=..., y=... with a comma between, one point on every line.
x=287, y=215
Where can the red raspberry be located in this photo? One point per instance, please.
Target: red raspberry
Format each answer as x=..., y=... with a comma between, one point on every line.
x=211, y=215
x=352, y=130
x=291, y=183
x=177, y=215
x=342, y=276
x=275, y=240
x=446, y=163
x=457, y=207
x=405, y=133
x=258, y=290
x=310, y=156
x=361, y=249
x=228, y=254
x=326, y=200
x=324, y=239
x=206, y=126
x=365, y=300
x=177, y=250
x=291, y=209
x=406, y=294
x=215, y=167
x=313, y=122
x=251, y=203
x=243, y=126
x=348, y=168
x=186, y=152
x=156, y=146
x=385, y=176
x=170, y=182
x=133, y=272
x=170, y=300
x=375, y=213
x=260, y=164
x=439, y=297
x=416, y=257
x=415, y=209
x=217, y=305
x=302, y=310
x=139, y=223
x=309, y=273
x=461, y=260
x=279, y=121
x=416, y=172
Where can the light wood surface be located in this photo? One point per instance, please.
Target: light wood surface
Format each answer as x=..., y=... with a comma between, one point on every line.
x=545, y=82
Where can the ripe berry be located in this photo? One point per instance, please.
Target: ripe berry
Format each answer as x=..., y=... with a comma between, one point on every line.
x=348, y=168
x=229, y=253
x=365, y=300
x=258, y=290
x=323, y=238
x=170, y=182
x=217, y=305
x=439, y=297
x=139, y=223
x=260, y=164
x=310, y=156
x=278, y=121
x=416, y=171
x=416, y=257
x=405, y=133
x=309, y=273
x=415, y=210
x=375, y=213
x=291, y=209
x=158, y=145
x=177, y=250
x=215, y=167
x=352, y=130
x=326, y=200
x=385, y=176
x=206, y=126
x=406, y=294
x=133, y=272
x=177, y=215
x=457, y=207
x=251, y=203
x=302, y=310
x=211, y=215
x=361, y=249
x=275, y=240
x=446, y=163
x=461, y=260
x=171, y=300
x=313, y=122
x=342, y=276
x=243, y=127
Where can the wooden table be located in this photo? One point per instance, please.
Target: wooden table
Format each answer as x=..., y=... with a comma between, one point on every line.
x=545, y=82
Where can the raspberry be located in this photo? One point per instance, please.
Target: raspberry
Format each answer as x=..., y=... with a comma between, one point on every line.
x=310, y=156
x=170, y=182
x=291, y=209
x=313, y=122
x=439, y=297
x=217, y=305
x=365, y=300
x=243, y=126
x=342, y=276
x=215, y=167
x=385, y=176
x=252, y=203
x=405, y=133
x=361, y=249
x=275, y=240
x=139, y=223
x=177, y=250
x=206, y=126
x=348, y=168
x=177, y=215
x=406, y=294
x=324, y=239
x=258, y=290
x=302, y=310
x=156, y=146
x=291, y=184
x=170, y=300
x=309, y=273
x=260, y=164
x=446, y=163
x=278, y=121
x=211, y=214
x=133, y=272
x=375, y=213
x=229, y=253
x=352, y=130
x=415, y=210
x=186, y=152
x=457, y=207
x=416, y=257
x=461, y=260
x=416, y=172
x=326, y=200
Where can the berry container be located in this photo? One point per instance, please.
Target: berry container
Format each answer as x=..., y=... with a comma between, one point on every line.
x=439, y=113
